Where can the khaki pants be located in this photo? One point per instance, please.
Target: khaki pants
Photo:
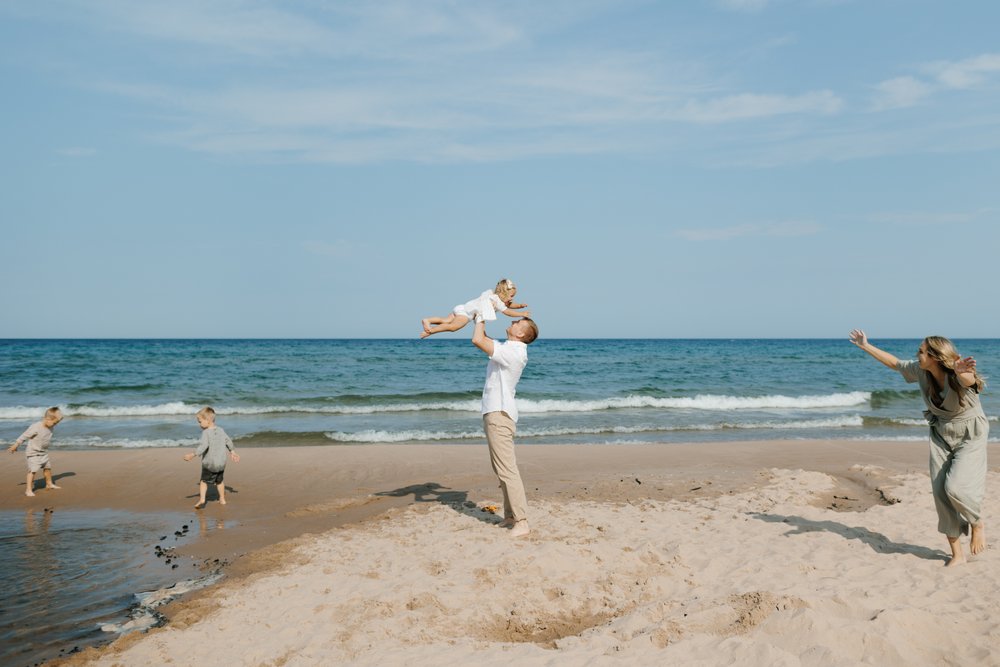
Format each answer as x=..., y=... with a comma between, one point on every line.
x=500, y=430
x=958, y=472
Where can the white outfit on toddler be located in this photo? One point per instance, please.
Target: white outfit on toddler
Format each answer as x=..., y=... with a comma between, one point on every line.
x=486, y=304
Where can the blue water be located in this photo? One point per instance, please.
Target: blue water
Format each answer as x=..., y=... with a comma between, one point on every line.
x=68, y=573
x=144, y=393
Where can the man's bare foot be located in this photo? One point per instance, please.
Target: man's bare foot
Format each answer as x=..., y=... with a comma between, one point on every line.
x=507, y=523
x=29, y=493
x=200, y=506
x=53, y=486
x=427, y=326
x=520, y=529
x=977, y=543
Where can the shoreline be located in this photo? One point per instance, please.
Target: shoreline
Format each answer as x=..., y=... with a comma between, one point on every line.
x=282, y=500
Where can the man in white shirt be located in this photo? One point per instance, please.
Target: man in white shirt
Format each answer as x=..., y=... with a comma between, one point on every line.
x=507, y=360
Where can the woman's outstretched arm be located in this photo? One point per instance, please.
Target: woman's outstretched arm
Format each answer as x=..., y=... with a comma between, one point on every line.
x=859, y=338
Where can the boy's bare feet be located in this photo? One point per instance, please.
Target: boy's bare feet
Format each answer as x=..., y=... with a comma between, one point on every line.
x=520, y=529
x=200, y=506
x=977, y=542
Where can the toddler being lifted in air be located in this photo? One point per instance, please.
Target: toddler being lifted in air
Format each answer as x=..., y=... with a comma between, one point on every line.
x=486, y=304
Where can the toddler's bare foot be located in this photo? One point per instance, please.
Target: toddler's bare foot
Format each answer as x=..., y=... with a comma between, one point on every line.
x=222, y=501
x=29, y=493
x=977, y=543
x=427, y=326
x=507, y=523
x=425, y=334
x=53, y=486
x=199, y=506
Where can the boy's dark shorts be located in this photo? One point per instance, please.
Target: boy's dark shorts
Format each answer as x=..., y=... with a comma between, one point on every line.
x=210, y=477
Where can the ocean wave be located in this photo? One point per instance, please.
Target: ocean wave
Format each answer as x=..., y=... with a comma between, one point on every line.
x=525, y=405
x=123, y=443
x=418, y=435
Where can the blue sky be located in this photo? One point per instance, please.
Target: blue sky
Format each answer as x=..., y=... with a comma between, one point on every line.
x=713, y=168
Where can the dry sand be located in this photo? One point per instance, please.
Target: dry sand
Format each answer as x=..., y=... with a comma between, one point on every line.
x=764, y=553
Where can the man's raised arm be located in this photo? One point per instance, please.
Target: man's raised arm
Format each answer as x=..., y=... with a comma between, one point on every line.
x=480, y=339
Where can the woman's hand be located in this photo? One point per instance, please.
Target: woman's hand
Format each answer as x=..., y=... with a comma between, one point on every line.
x=967, y=365
x=859, y=338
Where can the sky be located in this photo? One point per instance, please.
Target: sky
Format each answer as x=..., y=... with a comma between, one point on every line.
x=314, y=169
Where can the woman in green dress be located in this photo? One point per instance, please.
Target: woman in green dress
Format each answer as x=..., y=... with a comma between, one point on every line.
x=950, y=387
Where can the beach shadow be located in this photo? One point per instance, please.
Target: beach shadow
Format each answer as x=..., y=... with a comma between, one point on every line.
x=39, y=481
x=878, y=542
x=432, y=492
x=212, y=493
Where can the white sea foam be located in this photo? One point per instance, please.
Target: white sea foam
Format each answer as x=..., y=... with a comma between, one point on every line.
x=418, y=435
x=124, y=443
x=701, y=402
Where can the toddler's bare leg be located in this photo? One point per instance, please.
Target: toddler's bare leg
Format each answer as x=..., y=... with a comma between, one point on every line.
x=48, y=479
x=428, y=321
x=30, y=491
x=452, y=323
x=221, y=488
x=202, y=490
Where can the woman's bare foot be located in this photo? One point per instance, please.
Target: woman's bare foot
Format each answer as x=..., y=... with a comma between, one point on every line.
x=957, y=555
x=977, y=543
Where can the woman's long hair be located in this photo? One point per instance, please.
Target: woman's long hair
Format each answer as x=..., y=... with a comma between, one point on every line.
x=943, y=351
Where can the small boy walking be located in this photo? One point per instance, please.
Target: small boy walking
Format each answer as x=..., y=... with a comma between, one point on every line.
x=39, y=435
x=212, y=449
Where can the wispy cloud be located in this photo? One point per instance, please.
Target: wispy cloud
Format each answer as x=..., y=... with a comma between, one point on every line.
x=901, y=92
x=935, y=77
x=778, y=229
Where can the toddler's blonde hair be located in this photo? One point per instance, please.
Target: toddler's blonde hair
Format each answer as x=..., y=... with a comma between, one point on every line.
x=505, y=289
x=53, y=415
x=207, y=412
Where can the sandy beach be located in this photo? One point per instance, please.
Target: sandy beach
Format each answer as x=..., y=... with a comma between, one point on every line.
x=785, y=553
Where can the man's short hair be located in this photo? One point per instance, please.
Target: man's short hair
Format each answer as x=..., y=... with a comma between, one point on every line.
x=532, y=333
x=207, y=412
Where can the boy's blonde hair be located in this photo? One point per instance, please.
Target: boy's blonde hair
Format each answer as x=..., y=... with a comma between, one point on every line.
x=505, y=289
x=53, y=414
x=207, y=412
